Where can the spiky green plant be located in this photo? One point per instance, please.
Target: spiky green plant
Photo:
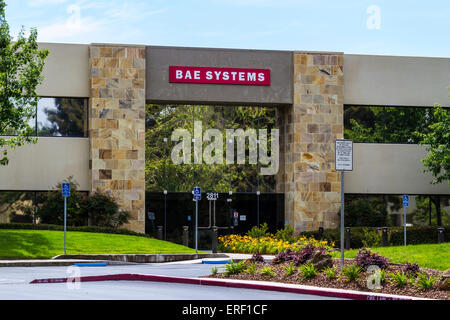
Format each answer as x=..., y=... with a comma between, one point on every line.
x=351, y=272
x=308, y=271
x=289, y=269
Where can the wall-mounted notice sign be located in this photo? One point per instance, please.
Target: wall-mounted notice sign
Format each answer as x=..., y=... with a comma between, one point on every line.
x=244, y=76
x=343, y=155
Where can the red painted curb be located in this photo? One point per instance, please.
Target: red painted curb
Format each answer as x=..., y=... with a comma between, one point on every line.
x=231, y=284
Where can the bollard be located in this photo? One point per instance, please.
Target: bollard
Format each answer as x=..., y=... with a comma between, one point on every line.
x=159, y=233
x=186, y=236
x=384, y=236
x=214, y=236
x=441, y=235
x=347, y=238
x=320, y=233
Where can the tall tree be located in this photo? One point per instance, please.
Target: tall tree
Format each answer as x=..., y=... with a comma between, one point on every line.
x=21, y=64
x=437, y=141
x=437, y=160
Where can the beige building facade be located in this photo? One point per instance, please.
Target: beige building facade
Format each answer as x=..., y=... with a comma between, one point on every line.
x=308, y=89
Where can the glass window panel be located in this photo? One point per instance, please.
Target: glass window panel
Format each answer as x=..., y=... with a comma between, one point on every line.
x=163, y=174
x=62, y=117
x=363, y=124
x=385, y=124
x=402, y=122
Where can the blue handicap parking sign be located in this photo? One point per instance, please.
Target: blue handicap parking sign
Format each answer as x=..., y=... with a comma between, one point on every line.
x=405, y=200
x=65, y=189
x=197, y=193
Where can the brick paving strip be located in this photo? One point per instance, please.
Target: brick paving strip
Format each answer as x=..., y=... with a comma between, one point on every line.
x=243, y=284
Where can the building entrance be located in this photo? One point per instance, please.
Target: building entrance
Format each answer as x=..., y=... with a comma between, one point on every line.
x=174, y=210
x=217, y=148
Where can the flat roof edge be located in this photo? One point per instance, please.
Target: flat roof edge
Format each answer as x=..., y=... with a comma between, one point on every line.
x=316, y=52
x=217, y=49
x=392, y=56
x=117, y=45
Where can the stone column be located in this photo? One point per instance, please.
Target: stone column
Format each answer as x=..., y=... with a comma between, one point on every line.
x=117, y=127
x=309, y=128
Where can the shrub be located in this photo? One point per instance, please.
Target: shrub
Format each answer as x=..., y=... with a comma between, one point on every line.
x=29, y=226
x=351, y=272
x=365, y=258
x=267, y=271
x=214, y=270
x=330, y=272
x=51, y=206
x=96, y=209
x=287, y=255
x=416, y=235
x=251, y=268
x=260, y=232
x=286, y=234
x=104, y=211
x=257, y=257
x=306, y=253
x=234, y=268
x=411, y=269
x=267, y=244
x=383, y=276
x=289, y=269
x=425, y=281
x=399, y=278
x=371, y=238
x=308, y=271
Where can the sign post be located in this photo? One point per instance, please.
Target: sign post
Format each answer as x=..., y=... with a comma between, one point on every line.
x=65, y=193
x=405, y=205
x=197, y=197
x=343, y=162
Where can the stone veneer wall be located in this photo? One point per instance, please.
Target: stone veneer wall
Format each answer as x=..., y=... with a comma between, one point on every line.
x=117, y=127
x=308, y=129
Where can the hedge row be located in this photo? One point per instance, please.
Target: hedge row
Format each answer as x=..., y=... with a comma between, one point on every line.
x=53, y=227
x=414, y=235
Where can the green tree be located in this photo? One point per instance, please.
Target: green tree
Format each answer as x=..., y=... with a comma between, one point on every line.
x=21, y=64
x=51, y=208
x=437, y=141
x=103, y=211
x=427, y=214
x=96, y=209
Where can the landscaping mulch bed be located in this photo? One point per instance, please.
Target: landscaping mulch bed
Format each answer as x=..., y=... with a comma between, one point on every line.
x=321, y=280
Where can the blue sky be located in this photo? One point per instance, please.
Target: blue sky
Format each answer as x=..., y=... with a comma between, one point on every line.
x=394, y=27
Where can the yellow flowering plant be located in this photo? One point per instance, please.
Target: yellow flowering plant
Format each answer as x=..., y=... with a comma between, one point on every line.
x=268, y=244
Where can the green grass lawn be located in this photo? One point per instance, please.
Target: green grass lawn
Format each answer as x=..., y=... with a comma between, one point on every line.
x=44, y=244
x=433, y=256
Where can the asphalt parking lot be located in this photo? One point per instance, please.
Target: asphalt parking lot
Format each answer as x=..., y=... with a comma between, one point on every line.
x=15, y=285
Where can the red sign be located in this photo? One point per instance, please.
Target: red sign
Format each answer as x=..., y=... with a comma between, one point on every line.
x=254, y=77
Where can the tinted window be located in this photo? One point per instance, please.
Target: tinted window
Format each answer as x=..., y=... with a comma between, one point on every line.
x=385, y=124
x=62, y=117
